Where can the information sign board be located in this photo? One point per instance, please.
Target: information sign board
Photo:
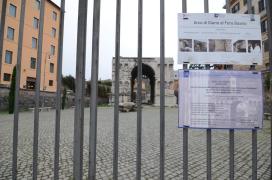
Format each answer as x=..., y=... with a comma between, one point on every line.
x=220, y=99
x=219, y=39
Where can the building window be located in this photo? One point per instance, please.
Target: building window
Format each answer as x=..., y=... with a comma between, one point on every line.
x=51, y=67
x=51, y=82
x=264, y=26
x=53, y=32
x=34, y=43
x=37, y=4
x=235, y=8
x=33, y=63
x=52, y=50
x=261, y=5
x=6, y=77
x=10, y=33
x=35, y=23
x=54, y=16
x=12, y=10
x=30, y=83
x=253, y=10
x=245, y=2
x=8, y=57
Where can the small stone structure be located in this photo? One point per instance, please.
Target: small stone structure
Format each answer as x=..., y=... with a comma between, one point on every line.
x=150, y=83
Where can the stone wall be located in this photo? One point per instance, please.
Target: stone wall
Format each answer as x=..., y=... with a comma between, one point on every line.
x=47, y=99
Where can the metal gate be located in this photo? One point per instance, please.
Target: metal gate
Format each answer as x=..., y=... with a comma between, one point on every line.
x=79, y=100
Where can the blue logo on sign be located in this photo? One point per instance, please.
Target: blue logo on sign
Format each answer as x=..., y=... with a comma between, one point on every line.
x=186, y=74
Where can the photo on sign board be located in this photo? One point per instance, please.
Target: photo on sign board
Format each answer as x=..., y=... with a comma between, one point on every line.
x=220, y=45
x=185, y=45
x=239, y=46
x=200, y=46
x=254, y=46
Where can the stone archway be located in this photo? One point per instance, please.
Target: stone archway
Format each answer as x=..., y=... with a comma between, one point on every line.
x=148, y=73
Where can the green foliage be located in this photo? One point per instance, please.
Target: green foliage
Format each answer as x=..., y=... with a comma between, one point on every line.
x=11, y=97
x=104, y=88
x=105, y=82
x=69, y=82
x=63, y=100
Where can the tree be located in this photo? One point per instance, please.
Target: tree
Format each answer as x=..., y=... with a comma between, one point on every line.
x=63, y=101
x=69, y=82
x=11, y=97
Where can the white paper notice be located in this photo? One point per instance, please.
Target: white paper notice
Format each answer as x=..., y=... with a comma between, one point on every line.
x=220, y=99
x=219, y=39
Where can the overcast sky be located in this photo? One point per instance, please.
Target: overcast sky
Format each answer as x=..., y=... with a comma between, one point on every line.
x=151, y=24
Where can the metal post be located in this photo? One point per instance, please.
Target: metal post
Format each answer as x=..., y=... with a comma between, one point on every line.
x=209, y=153
x=2, y=32
x=116, y=90
x=231, y=154
x=249, y=6
x=231, y=131
x=37, y=92
x=209, y=131
x=254, y=131
x=162, y=90
x=80, y=89
x=227, y=6
x=185, y=153
x=269, y=24
x=17, y=90
x=254, y=154
x=139, y=91
x=206, y=6
x=58, y=94
x=185, y=129
x=93, y=99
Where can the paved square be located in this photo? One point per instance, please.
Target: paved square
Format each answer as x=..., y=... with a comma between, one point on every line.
x=127, y=147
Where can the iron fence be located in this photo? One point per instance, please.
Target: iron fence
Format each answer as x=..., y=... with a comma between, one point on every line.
x=79, y=100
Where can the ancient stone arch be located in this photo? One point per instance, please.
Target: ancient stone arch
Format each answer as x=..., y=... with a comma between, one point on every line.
x=151, y=74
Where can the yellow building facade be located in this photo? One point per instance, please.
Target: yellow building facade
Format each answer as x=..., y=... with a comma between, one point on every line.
x=30, y=44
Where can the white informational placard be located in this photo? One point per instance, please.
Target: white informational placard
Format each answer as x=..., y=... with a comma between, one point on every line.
x=220, y=99
x=219, y=39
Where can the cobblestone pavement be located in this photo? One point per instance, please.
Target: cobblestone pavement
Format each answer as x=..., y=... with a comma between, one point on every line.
x=127, y=147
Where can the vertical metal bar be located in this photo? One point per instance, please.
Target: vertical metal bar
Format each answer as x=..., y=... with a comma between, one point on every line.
x=249, y=6
x=139, y=91
x=231, y=154
x=80, y=89
x=58, y=94
x=209, y=131
x=37, y=92
x=116, y=90
x=162, y=89
x=227, y=6
x=185, y=153
x=2, y=32
x=254, y=131
x=184, y=6
x=185, y=130
x=231, y=131
x=206, y=6
x=17, y=90
x=209, y=154
x=254, y=154
x=269, y=25
x=94, y=85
